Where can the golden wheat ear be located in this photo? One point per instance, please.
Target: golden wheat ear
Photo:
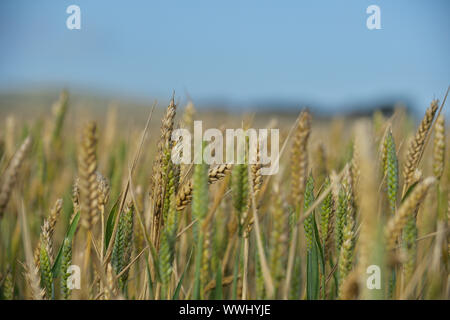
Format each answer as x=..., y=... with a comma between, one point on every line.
x=161, y=167
x=299, y=157
x=184, y=195
x=417, y=145
x=439, y=147
x=409, y=206
x=88, y=183
x=9, y=179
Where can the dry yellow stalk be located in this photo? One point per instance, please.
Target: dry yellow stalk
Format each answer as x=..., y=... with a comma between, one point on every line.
x=367, y=203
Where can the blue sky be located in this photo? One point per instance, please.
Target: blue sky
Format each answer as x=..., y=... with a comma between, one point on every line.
x=315, y=51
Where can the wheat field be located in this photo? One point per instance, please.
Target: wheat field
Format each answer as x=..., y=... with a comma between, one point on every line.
x=359, y=209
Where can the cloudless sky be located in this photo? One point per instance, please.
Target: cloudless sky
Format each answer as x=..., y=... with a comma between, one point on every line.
x=318, y=51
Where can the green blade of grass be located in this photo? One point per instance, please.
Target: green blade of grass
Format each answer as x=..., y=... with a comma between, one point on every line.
x=312, y=268
x=70, y=234
x=321, y=254
x=149, y=277
x=110, y=223
x=180, y=282
x=236, y=268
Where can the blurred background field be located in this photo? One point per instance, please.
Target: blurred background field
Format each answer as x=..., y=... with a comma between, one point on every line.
x=234, y=55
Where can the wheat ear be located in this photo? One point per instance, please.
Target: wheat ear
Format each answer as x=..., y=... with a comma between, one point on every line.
x=439, y=147
x=159, y=176
x=299, y=157
x=184, y=195
x=416, y=146
x=88, y=184
x=10, y=176
x=396, y=224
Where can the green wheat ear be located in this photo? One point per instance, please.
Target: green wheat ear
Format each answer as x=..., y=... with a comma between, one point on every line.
x=346, y=252
x=341, y=213
x=309, y=221
x=390, y=168
x=239, y=187
x=172, y=172
x=410, y=244
x=46, y=272
x=199, y=194
x=123, y=244
x=128, y=246
x=326, y=211
x=167, y=249
x=65, y=264
x=8, y=286
x=199, y=212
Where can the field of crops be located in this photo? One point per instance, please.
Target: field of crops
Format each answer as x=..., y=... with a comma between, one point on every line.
x=92, y=207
